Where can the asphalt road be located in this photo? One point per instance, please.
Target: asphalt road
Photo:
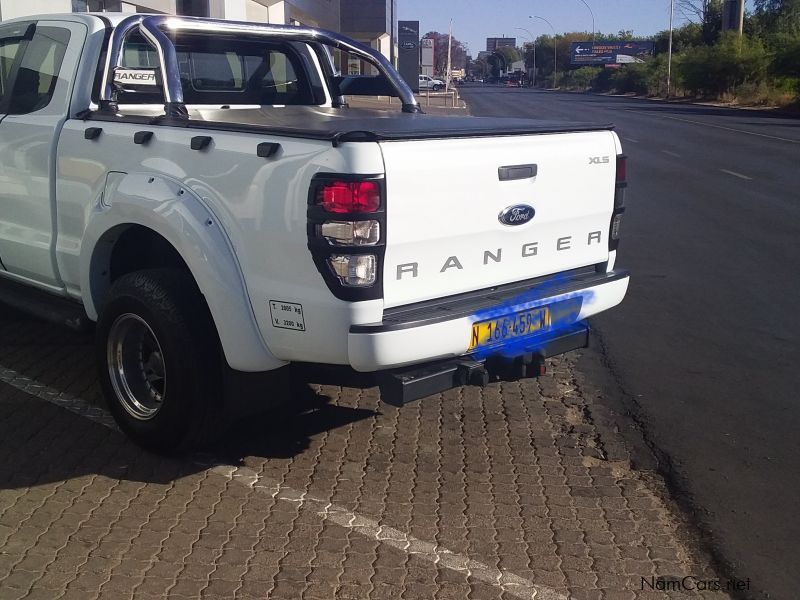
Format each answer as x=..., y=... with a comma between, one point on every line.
x=705, y=346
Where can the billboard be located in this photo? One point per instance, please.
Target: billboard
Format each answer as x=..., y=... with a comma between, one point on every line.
x=609, y=53
x=408, y=52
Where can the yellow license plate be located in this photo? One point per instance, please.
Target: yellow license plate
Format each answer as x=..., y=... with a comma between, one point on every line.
x=496, y=331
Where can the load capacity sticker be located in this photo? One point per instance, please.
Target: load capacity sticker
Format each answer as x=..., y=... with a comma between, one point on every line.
x=287, y=315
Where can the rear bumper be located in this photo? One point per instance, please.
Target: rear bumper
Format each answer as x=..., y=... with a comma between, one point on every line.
x=401, y=386
x=442, y=329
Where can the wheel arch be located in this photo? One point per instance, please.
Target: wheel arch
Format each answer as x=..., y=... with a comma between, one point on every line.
x=173, y=227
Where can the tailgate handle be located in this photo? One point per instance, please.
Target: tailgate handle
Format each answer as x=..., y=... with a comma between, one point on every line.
x=516, y=172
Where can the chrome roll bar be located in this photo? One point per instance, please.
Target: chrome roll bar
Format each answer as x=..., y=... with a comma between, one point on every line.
x=153, y=27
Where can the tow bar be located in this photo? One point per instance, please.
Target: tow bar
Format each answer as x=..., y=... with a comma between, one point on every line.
x=401, y=386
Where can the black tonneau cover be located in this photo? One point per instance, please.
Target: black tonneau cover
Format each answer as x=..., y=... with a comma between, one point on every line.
x=340, y=125
x=353, y=125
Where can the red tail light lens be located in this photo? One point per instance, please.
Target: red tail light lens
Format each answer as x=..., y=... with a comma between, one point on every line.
x=350, y=196
x=622, y=168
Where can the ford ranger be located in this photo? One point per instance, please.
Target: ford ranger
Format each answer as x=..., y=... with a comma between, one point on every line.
x=200, y=192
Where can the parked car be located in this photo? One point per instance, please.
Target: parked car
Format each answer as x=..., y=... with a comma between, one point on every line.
x=428, y=83
x=208, y=202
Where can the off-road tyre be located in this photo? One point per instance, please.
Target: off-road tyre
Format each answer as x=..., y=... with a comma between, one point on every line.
x=162, y=309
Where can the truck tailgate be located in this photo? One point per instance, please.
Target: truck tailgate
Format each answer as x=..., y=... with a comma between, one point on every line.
x=444, y=198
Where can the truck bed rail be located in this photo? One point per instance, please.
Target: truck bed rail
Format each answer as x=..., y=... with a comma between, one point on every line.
x=152, y=28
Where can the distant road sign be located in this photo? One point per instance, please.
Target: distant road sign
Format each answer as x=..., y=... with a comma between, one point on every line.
x=609, y=53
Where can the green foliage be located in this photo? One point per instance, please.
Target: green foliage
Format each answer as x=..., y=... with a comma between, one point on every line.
x=632, y=78
x=712, y=22
x=784, y=50
x=583, y=78
x=684, y=37
x=717, y=70
x=761, y=67
x=778, y=16
x=509, y=53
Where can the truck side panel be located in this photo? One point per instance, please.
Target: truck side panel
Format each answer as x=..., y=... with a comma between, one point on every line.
x=260, y=204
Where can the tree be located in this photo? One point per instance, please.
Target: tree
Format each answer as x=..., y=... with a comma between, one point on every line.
x=708, y=13
x=693, y=10
x=779, y=16
x=458, y=52
x=480, y=67
x=721, y=68
x=510, y=55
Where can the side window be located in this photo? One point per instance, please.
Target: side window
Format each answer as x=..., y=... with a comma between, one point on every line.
x=281, y=73
x=246, y=71
x=38, y=72
x=8, y=52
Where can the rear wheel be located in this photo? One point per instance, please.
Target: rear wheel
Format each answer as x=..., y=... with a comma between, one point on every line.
x=159, y=360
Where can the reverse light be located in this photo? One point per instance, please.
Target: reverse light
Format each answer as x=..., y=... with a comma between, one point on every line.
x=619, y=201
x=616, y=222
x=622, y=181
x=354, y=270
x=349, y=196
x=351, y=233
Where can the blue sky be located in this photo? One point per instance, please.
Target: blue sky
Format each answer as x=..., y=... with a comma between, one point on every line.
x=475, y=20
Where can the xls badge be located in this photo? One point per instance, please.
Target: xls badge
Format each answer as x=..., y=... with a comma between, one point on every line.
x=519, y=214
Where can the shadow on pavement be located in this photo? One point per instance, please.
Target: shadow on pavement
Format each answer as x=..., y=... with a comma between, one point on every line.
x=42, y=443
x=287, y=431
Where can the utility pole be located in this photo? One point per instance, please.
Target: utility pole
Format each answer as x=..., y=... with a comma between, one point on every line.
x=669, y=58
x=555, y=50
x=733, y=16
x=449, y=64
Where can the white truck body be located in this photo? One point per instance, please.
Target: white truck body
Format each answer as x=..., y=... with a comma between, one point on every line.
x=75, y=178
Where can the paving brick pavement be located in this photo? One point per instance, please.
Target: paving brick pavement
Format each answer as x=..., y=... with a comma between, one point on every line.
x=518, y=490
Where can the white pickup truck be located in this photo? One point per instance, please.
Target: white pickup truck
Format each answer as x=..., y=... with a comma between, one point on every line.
x=201, y=190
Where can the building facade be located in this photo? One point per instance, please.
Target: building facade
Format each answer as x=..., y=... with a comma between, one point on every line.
x=372, y=22
x=315, y=13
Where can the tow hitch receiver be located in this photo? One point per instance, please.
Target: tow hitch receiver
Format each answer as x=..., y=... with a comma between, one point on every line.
x=401, y=386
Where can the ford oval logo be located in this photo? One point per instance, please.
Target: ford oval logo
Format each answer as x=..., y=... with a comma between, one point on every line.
x=519, y=214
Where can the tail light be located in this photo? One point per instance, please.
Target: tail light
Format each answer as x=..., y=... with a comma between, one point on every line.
x=622, y=168
x=346, y=225
x=343, y=197
x=619, y=201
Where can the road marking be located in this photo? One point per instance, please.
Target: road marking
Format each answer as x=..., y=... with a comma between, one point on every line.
x=71, y=402
x=763, y=135
x=627, y=139
x=735, y=174
x=512, y=584
x=675, y=154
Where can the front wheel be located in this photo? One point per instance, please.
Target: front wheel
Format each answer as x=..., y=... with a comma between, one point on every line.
x=159, y=360
x=436, y=88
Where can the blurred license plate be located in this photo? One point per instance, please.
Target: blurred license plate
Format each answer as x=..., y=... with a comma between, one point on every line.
x=496, y=331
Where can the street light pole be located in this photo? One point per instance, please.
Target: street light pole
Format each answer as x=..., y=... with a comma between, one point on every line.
x=533, y=43
x=669, y=59
x=591, y=12
x=555, y=49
